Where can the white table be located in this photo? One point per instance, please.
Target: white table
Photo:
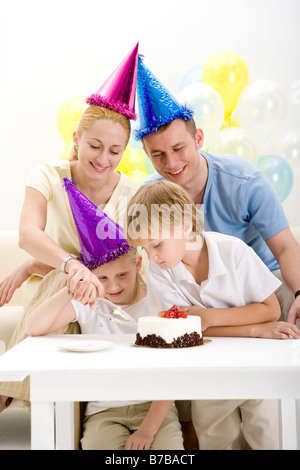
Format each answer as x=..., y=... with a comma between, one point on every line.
x=225, y=368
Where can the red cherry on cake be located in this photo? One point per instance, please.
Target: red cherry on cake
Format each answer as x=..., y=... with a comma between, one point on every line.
x=182, y=314
x=162, y=314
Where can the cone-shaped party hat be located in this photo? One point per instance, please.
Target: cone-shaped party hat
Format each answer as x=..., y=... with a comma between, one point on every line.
x=118, y=91
x=156, y=105
x=101, y=238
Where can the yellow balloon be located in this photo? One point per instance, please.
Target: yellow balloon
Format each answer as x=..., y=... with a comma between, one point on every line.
x=125, y=160
x=138, y=175
x=228, y=73
x=68, y=116
x=137, y=160
x=231, y=121
x=66, y=151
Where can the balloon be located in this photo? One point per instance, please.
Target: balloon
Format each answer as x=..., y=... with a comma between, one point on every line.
x=261, y=109
x=287, y=145
x=235, y=141
x=208, y=108
x=137, y=160
x=231, y=121
x=68, y=116
x=136, y=144
x=228, y=73
x=138, y=175
x=278, y=172
x=192, y=76
x=149, y=167
x=66, y=151
x=125, y=160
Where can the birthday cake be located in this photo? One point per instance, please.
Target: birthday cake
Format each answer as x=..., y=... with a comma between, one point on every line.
x=169, y=329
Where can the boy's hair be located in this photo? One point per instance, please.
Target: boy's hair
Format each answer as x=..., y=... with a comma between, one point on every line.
x=92, y=114
x=157, y=209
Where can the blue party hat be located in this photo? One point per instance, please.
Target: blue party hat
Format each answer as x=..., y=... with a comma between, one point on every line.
x=156, y=105
x=101, y=239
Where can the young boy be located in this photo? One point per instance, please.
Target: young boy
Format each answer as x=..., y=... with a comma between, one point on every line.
x=219, y=278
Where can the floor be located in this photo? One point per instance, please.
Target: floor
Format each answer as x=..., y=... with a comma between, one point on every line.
x=15, y=429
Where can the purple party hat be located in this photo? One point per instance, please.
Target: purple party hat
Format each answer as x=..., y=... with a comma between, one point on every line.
x=157, y=106
x=118, y=91
x=101, y=238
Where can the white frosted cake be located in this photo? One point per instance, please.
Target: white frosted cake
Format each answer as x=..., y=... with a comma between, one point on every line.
x=169, y=329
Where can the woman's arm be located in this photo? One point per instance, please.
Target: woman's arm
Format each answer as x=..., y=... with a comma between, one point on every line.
x=56, y=312
x=16, y=278
x=144, y=436
x=258, y=312
x=35, y=241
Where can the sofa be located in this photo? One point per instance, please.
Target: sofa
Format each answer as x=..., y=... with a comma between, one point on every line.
x=15, y=422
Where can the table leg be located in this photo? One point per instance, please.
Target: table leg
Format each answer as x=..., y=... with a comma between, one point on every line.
x=42, y=426
x=289, y=424
x=64, y=415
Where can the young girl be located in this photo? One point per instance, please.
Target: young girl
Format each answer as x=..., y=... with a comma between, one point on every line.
x=219, y=278
x=108, y=425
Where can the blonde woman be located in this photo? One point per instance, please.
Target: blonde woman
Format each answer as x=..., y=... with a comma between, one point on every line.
x=47, y=227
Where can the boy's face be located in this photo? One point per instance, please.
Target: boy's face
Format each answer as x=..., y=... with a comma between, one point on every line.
x=167, y=252
x=118, y=278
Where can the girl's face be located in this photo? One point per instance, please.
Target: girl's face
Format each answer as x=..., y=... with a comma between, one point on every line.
x=101, y=147
x=119, y=279
x=167, y=252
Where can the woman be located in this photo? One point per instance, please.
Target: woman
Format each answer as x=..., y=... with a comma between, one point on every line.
x=47, y=227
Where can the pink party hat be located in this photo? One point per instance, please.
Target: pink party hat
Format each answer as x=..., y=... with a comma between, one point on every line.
x=118, y=91
x=101, y=238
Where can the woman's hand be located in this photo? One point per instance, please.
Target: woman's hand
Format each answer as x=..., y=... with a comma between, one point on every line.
x=82, y=284
x=13, y=281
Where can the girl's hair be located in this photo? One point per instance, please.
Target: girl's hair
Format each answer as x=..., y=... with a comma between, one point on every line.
x=92, y=114
x=139, y=282
x=159, y=207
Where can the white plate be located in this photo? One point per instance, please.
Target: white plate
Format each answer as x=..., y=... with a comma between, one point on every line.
x=85, y=346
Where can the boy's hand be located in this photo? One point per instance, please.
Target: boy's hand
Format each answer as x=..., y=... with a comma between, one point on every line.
x=200, y=312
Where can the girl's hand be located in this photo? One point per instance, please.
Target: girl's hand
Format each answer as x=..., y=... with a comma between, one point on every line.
x=276, y=330
x=82, y=284
x=201, y=312
x=139, y=440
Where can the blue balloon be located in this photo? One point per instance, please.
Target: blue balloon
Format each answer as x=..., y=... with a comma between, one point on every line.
x=279, y=173
x=192, y=76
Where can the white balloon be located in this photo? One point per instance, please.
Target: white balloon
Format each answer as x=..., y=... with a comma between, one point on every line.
x=235, y=141
x=208, y=106
x=287, y=146
x=261, y=109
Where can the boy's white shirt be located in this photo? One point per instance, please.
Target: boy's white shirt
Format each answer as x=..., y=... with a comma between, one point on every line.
x=92, y=323
x=236, y=277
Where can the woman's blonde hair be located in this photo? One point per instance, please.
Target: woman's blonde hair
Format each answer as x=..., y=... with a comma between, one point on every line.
x=159, y=207
x=92, y=114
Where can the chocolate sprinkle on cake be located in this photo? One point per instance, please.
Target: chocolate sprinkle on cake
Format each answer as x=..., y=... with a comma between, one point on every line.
x=185, y=341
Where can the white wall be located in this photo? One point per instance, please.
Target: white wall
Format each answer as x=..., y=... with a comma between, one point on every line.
x=60, y=49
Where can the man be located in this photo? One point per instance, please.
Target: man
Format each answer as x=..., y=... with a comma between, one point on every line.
x=237, y=199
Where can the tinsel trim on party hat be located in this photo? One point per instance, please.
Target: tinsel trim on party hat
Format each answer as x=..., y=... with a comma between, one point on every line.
x=95, y=251
x=157, y=106
x=121, y=108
